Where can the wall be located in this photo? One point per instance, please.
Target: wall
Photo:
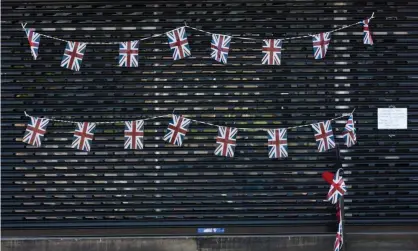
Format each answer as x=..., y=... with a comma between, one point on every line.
x=375, y=242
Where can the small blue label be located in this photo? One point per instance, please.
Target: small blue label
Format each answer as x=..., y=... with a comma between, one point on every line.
x=211, y=230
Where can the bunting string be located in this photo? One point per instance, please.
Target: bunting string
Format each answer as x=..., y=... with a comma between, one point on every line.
x=63, y=40
x=203, y=31
x=178, y=127
x=179, y=45
x=194, y=120
x=100, y=122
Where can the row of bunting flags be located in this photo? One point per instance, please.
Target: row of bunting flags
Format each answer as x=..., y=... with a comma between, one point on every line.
x=179, y=45
x=336, y=193
x=178, y=127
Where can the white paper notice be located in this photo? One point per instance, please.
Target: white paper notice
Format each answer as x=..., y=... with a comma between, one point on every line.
x=392, y=118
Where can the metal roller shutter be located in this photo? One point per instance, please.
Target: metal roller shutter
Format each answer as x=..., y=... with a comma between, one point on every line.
x=63, y=191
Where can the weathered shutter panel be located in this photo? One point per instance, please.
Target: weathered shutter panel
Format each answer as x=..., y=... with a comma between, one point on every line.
x=60, y=191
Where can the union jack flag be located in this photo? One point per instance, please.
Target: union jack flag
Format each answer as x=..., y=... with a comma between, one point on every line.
x=220, y=47
x=320, y=44
x=177, y=40
x=277, y=143
x=134, y=134
x=176, y=130
x=367, y=36
x=272, y=50
x=337, y=189
x=324, y=136
x=338, y=244
x=349, y=133
x=226, y=141
x=128, y=54
x=83, y=136
x=73, y=55
x=34, y=40
x=35, y=130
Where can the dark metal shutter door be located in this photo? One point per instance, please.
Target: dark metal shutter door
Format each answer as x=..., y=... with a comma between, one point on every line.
x=60, y=190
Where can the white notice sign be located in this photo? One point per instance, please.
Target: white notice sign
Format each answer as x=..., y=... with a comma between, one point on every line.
x=392, y=118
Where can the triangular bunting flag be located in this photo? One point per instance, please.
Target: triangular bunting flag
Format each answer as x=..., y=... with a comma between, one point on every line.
x=73, y=55
x=128, y=54
x=320, y=44
x=177, y=39
x=35, y=131
x=34, y=40
x=220, y=47
x=176, y=130
x=272, y=50
x=367, y=36
x=324, y=136
x=226, y=141
x=83, y=136
x=349, y=133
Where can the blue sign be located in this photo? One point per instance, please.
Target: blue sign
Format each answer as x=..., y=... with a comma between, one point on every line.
x=211, y=230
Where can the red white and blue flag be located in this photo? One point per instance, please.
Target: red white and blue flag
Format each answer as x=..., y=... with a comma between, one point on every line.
x=272, y=50
x=324, y=136
x=35, y=131
x=220, y=47
x=320, y=44
x=349, y=133
x=34, y=40
x=83, y=136
x=177, y=39
x=176, y=130
x=367, y=36
x=134, y=134
x=337, y=189
x=277, y=143
x=338, y=244
x=128, y=53
x=226, y=141
x=73, y=55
